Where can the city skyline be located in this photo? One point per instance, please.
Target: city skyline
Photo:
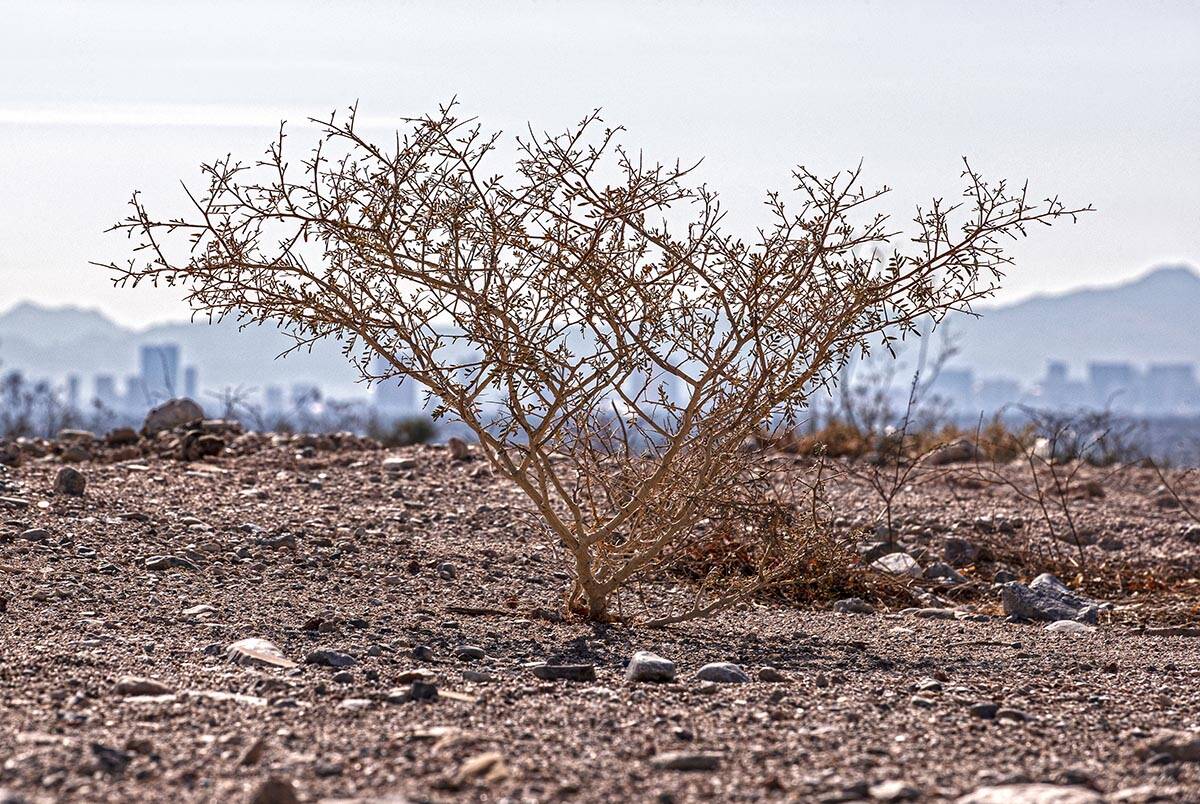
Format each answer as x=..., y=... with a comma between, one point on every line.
x=1148, y=389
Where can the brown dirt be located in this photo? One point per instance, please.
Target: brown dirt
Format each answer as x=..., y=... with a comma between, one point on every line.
x=348, y=560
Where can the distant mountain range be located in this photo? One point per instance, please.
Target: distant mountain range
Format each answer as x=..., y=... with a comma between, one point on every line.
x=1152, y=319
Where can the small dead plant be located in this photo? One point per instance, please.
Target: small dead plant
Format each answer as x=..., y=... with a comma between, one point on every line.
x=583, y=311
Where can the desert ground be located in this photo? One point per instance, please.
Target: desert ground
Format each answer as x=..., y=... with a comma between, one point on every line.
x=418, y=649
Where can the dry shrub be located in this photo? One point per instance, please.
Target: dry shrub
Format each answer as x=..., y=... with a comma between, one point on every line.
x=583, y=311
x=822, y=566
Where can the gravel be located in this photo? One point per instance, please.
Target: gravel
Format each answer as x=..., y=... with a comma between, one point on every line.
x=125, y=683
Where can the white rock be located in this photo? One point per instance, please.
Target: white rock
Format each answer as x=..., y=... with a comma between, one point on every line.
x=898, y=564
x=1032, y=794
x=255, y=651
x=1069, y=627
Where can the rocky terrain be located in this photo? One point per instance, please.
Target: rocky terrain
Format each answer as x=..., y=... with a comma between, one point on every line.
x=193, y=613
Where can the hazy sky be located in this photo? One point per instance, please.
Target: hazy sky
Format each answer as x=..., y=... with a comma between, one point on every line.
x=1099, y=102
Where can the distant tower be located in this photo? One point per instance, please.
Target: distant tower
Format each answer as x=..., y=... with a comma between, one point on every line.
x=1113, y=385
x=274, y=399
x=106, y=391
x=73, y=391
x=392, y=396
x=190, y=382
x=135, y=394
x=159, y=371
x=305, y=395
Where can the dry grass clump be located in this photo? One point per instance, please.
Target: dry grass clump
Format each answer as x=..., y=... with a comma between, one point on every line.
x=823, y=567
x=996, y=441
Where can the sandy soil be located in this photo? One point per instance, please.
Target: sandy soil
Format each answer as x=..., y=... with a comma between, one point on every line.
x=161, y=565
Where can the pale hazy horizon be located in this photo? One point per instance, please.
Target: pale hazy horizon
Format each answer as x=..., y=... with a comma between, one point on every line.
x=1097, y=102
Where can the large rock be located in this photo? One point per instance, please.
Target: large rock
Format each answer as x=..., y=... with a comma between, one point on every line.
x=1047, y=599
x=959, y=451
x=647, y=666
x=723, y=673
x=171, y=414
x=70, y=481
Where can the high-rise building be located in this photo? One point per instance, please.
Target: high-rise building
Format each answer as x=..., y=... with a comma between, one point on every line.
x=159, y=371
x=190, y=382
x=135, y=398
x=1058, y=391
x=955, y=387
x=998, y=392
x=305, y=395
x=73, y=391
x=1113, y=385
x=273, y=399
x=1169, y=388
x=396, y=396
x=105, y=388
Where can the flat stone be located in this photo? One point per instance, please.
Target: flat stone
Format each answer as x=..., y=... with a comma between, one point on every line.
x=137, y=685
x=330, y=658
x=1032, y=794
x=686, y=761
x=723, y=673
x=898, y=564
x=565, y=672
x=257, y=652
x=1046, y=599
x=1012, y=715
x=893, y=790
x=1181, y=746
x=1070, y=627
x=985, y=710
x=771, y=675
x=469, y=652
x=169, y=562
x=646, y=666
x=853, y=605
x=196, y=611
